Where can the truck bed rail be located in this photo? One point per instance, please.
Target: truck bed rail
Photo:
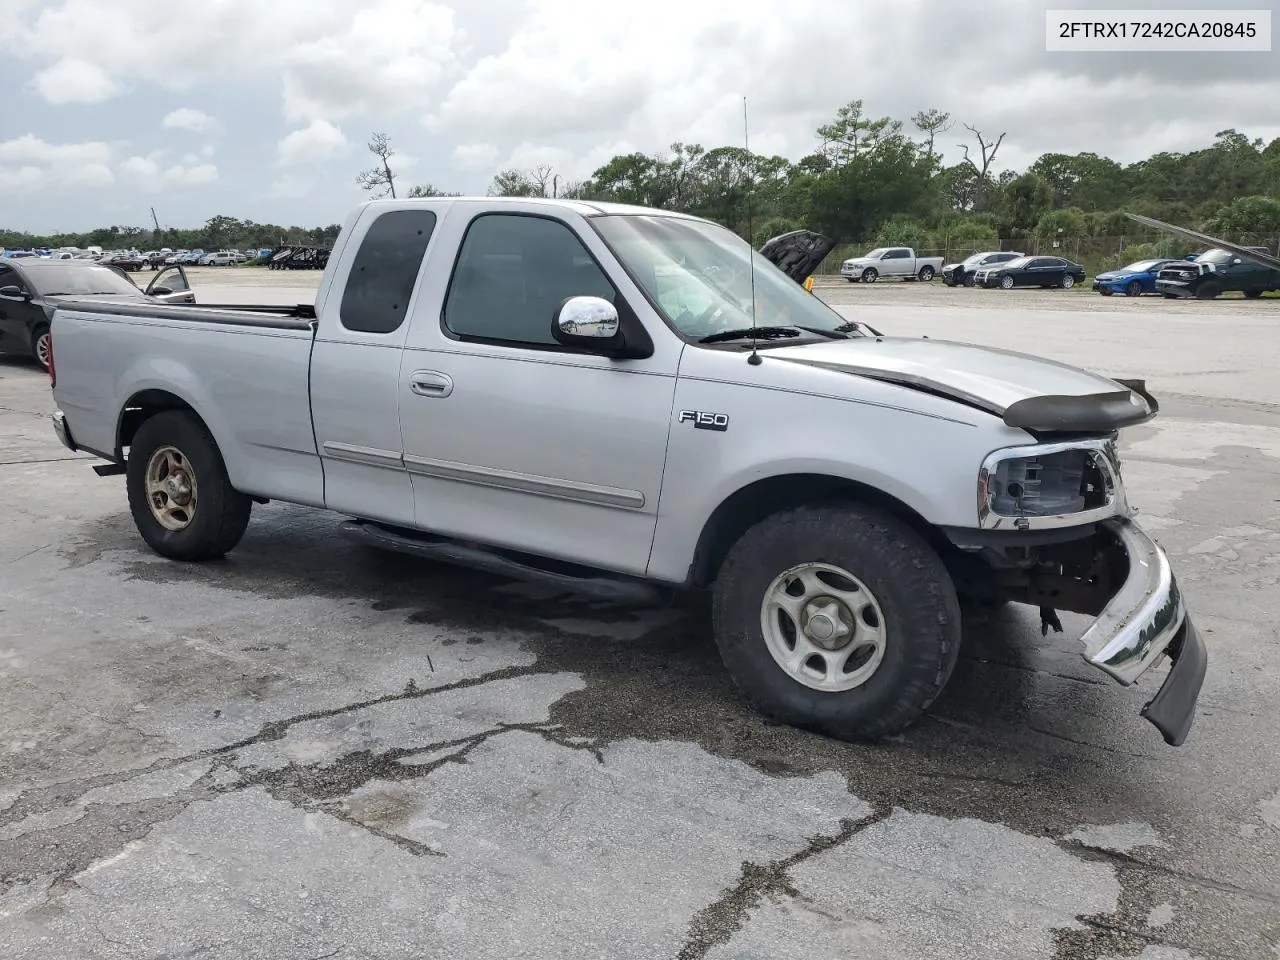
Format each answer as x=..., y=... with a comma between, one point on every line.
x=299, y=317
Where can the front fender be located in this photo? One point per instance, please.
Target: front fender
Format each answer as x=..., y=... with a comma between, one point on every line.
x=921, y=450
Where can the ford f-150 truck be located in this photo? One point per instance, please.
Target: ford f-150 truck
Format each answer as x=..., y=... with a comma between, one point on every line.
x=630, y=401
x=890, y=262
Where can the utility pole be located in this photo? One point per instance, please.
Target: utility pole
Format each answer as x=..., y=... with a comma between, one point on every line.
x=155, y=220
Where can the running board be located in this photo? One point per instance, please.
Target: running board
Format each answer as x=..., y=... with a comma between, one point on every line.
x=602, y=587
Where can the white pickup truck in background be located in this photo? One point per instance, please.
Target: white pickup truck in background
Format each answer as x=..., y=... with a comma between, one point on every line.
x=630, y=401
x=900, y=262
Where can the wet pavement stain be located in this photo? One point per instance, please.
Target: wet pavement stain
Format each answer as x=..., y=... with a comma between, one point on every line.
x=669, y=685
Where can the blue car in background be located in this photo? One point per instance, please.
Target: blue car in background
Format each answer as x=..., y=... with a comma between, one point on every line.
x=1133, y=281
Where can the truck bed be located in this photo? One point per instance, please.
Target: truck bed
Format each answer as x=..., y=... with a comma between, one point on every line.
x=244, y=368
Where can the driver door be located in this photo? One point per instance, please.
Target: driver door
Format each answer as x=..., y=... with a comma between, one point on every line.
x=18, y=314
x=171, y=285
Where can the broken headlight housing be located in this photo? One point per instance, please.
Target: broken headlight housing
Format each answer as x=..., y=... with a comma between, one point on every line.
x=1049, y=485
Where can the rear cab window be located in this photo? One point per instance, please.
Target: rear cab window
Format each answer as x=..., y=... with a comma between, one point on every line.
x=385, y=271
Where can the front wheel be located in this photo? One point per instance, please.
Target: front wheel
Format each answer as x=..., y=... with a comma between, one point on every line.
x=1006, y=282
x=1134, y=289
x=839, y=619
x=926, y=274
x=180, y=496
x=869, y=275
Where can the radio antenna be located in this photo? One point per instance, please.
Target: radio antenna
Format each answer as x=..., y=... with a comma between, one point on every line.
x=754, y=359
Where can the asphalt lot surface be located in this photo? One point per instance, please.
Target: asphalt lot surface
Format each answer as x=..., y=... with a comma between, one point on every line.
x=314, y=750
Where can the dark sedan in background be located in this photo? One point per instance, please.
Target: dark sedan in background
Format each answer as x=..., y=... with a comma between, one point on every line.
x=961, y=274
x=1031, y=272
x=30, y=290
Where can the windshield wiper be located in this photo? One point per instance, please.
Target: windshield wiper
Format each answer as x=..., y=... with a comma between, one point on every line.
x=746, y=333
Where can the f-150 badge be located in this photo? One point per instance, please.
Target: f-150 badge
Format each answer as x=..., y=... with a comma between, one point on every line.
x=702, y=420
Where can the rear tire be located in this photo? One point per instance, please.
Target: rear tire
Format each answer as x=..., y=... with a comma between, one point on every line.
x=926, y=274
x=40, y=342
x=180, y=496
x=1253, y=294
x=897, y=576
x=1068, y=282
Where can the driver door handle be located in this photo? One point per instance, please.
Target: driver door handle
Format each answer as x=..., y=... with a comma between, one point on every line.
x=430, y=383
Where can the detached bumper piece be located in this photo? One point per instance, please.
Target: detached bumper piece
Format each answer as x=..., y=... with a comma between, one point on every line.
x=1145, y=621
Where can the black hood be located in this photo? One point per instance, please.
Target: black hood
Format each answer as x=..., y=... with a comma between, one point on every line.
x=798, y=253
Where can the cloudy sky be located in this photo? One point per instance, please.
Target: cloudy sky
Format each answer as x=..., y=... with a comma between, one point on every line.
x=261, y=108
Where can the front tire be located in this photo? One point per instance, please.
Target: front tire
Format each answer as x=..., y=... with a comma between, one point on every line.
x=870, y=275
x=1006, y=282
x=868, y=642
x=1134, y=289
x=180, y=496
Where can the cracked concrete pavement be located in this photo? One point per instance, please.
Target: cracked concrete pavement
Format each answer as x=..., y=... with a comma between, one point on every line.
x=314, y=750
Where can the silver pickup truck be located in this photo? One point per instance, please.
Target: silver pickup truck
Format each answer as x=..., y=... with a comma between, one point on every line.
x=628, y=401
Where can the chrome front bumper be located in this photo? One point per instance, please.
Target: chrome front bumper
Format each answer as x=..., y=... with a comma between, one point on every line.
x=1145, y=621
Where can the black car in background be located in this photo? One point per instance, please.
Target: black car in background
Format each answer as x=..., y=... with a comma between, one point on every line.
x=961, y=274
x=31, y=289
x=1031, y=272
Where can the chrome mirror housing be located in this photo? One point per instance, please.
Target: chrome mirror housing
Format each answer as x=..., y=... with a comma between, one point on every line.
x=591, y=318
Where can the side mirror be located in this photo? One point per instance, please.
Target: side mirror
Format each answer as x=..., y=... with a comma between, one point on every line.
x=590, y=322
x=161, y=291
x=13, y=293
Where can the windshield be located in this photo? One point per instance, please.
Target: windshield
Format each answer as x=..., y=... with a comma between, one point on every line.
x=1142, y=266
x=1216, y=256
x=875, y=254
x=1015, y=264
x=69, y=278
x=698, y=275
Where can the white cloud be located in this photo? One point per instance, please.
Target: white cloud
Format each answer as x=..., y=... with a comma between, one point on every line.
x=189, y=118
x=190, y=176
x=316, y=142
x=35, y=163
x=331, y=58
x=72, y=80
x=140, y=168
x=475, y=156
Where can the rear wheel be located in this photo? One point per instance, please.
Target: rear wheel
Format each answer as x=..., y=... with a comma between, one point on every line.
x=926, y=274
x=839, y=619
x=180, y=496
x=40, y=341
x=1253, y=294
x=1068, y=282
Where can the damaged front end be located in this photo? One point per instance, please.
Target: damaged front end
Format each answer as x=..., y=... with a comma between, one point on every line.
x=1056, y=531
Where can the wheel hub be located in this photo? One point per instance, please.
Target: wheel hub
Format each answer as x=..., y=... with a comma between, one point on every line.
x=178, y=487
x=825, y=624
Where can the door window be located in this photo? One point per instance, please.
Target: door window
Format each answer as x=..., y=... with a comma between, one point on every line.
x=512, y=274
x=385, y=270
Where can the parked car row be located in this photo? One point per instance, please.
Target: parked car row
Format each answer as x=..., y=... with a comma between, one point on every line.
x=1007, y=269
